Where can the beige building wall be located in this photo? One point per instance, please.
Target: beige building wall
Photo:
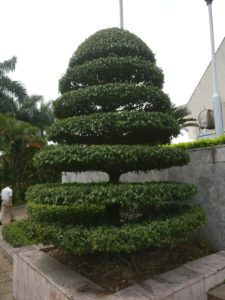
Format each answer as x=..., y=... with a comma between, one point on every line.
x=201, y=98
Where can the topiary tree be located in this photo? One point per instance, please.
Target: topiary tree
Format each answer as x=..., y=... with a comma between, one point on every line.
x=112, y=116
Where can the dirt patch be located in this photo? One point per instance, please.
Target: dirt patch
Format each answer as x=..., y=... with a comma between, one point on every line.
x=118, y=272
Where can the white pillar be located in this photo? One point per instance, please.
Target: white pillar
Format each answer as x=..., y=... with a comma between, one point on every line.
x=121, y=14
x=216, y=97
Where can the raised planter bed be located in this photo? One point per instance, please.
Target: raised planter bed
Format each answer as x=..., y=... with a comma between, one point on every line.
x=218, y=293
x=38, y=276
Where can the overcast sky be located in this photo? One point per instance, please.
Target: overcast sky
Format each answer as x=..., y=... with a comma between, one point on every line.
x=43, y=34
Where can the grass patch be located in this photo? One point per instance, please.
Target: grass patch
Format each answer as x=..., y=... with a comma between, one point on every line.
x=16, y=235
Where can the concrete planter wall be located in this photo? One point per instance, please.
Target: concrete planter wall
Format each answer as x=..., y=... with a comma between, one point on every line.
x=37, y=276
x=206, y=170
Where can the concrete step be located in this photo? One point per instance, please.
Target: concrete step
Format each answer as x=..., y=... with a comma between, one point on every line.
x=217, y=293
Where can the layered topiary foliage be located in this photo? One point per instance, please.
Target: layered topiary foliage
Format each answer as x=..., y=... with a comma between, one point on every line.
x=112, y=117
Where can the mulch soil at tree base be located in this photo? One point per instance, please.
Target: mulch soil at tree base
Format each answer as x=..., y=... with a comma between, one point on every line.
x=118, y=272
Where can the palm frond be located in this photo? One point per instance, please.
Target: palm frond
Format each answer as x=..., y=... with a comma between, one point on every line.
x=8, y=65
x=12, y=88
x=181, y=113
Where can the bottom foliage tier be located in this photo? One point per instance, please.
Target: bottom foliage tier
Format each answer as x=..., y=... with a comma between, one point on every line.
x=77, y=217
x=79, y=239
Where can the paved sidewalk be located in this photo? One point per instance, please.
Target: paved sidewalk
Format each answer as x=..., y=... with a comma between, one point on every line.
x=6, y=254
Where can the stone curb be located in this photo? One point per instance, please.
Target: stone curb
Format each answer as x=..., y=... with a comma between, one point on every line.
x=191, y=281
x=7, y=249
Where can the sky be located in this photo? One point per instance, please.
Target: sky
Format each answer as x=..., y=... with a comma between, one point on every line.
x=43, y=34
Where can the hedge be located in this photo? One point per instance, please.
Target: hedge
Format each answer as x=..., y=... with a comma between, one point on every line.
x=206, y=142
x=115, y=128
x=111, y=97
x=89, y=203
x=111, y=70
x=109, y=158
x=64, y=215
x=111, y=42
x=126, y=239
x=99, y=215
x=102, y=194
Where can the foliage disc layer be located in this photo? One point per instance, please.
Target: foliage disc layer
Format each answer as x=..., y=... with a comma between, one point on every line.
x=112, y=70
x=111, y=42
x=126, y=239
x=110, y=158
x=115, y=128
x=111, y=97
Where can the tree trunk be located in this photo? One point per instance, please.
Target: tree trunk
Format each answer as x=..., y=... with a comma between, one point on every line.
x=113, y=214
x=114, y=177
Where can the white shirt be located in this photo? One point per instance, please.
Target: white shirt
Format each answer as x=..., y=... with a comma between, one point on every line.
x=6, y=193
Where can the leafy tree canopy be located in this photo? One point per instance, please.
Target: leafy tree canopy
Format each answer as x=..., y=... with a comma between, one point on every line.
x=113, y=117
x=10, y=88
x=36, y=112
x=15, y=101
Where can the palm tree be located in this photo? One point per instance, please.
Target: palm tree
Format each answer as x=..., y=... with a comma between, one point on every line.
x=7, y=105
x=36, y=112
x=181, y=113
x=14, y=100
x=11, y=92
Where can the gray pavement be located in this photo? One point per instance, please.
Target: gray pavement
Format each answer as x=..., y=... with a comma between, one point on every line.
x=6, y=254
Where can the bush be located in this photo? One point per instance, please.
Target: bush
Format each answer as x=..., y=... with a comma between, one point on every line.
x=126, y=194
x=115, y=111
x=16, y=233
x=112, y=159
x=115, y=128
x=127, y=239
x=201, y=143
x=111, y=97
x=111, y=70
x=111, y=42
x=88, y=203
x=64, y=215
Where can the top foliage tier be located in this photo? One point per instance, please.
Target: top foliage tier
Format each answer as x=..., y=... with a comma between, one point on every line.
x=111, y=42
x=111, y=56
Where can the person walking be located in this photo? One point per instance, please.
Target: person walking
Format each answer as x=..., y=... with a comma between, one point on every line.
x=6, y=195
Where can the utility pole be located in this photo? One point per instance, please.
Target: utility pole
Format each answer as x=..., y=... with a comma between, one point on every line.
x=216, y=97
x=121, y=14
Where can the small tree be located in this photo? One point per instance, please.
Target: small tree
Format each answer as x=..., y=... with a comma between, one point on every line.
x=112, y=116
x=19, y=141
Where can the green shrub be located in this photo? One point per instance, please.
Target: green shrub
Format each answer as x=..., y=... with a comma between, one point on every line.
x=115, y=128
x=88, y=203
x=111, y=70
x=64, y=215
x=111, y=97
x=126, y=194
x=207, y=142
x=130, y=238
x=115, y=111
x=111, y=42
x=112, y=159
x=16, y=233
